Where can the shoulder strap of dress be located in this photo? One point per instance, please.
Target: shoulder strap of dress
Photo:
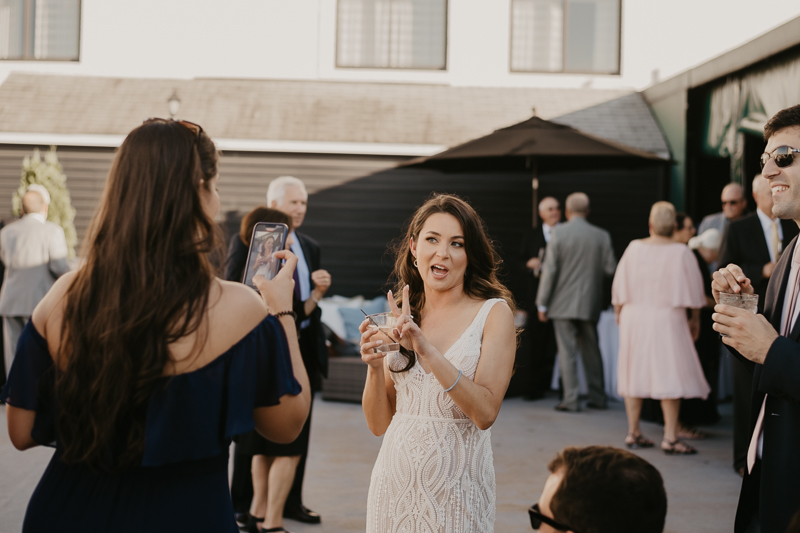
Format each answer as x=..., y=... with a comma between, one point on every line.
x=480, y=320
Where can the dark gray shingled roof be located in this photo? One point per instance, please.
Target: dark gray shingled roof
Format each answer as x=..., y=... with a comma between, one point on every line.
x=279, y=110
x=626, y=120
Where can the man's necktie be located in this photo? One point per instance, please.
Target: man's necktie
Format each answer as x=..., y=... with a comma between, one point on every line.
x=777, y=246
x=787, y=329
x=296, y=279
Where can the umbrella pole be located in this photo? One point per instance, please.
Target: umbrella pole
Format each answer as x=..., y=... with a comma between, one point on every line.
x=535, y=186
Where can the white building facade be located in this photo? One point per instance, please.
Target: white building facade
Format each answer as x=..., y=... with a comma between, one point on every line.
x=608, y=44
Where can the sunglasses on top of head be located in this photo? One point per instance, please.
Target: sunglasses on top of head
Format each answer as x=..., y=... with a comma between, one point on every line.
x=537, y=519
x=783, y=156
x=196, y=129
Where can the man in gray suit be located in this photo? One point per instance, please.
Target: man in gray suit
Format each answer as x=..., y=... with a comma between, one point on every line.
x=579, y=256
x=34, y=252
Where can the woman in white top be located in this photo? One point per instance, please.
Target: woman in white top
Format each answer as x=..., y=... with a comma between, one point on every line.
x=435, y=471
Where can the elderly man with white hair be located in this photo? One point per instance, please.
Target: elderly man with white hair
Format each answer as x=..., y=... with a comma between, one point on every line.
x=288, y=194
x=34, y=252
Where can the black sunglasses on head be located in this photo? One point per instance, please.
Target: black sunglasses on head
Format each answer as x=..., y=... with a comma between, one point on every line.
x=537, y=519
x=783, y=156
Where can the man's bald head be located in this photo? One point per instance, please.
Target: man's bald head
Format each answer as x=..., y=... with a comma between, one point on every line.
x=733, y=201
x=33, y=202
x=577, y=205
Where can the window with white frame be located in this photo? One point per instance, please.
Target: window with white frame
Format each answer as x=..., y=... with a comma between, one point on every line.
x=392, y=34
x=40, y=29
x=579, y=36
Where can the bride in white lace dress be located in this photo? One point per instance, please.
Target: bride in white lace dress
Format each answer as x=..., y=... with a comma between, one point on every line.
x=435, y=472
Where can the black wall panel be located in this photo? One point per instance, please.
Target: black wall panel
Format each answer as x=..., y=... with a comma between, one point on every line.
x=355, y=222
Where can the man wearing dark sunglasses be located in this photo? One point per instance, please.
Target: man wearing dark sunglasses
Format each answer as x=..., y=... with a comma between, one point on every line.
x=769, y=346
x=600, y=489
x=733, y=206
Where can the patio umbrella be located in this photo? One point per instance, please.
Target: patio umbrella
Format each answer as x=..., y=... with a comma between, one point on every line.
x=539, y=146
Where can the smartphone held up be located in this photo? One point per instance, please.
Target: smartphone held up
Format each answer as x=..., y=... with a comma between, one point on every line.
x=268, y=238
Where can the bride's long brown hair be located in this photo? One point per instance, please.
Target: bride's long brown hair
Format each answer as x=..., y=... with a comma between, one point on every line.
x=483, y=262
x=144, y=285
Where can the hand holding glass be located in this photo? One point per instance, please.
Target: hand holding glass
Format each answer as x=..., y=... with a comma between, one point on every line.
x=748, y=302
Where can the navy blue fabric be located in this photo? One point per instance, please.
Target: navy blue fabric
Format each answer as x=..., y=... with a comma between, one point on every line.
x=190, y=423
x=30, y=383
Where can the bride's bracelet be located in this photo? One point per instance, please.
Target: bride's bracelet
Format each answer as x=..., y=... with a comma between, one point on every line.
x=454, y=383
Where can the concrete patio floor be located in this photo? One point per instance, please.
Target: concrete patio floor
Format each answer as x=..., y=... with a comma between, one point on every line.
x=702, y=489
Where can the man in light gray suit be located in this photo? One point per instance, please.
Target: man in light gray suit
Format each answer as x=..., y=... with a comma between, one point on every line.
x=579, y=256
x=34, y=252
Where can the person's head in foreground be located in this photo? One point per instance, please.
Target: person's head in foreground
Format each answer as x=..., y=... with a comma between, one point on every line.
x=779, y=162
x=145, y=283
x=600, y=489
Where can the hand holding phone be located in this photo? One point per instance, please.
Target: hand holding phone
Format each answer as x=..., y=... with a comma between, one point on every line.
x=278, y=293
x=267, y=240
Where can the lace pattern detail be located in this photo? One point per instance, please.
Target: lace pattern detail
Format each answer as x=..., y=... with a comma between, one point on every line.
x=435, y=471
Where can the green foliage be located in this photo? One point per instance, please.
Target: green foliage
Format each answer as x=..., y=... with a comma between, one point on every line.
x=47, y=172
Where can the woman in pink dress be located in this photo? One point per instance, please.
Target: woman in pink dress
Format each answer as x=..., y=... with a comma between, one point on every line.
x=656, y=281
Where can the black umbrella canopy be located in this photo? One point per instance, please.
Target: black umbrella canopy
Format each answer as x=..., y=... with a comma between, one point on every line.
x=540, y=144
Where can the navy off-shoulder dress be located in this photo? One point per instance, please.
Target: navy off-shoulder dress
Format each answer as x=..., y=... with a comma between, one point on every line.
x=182, y=482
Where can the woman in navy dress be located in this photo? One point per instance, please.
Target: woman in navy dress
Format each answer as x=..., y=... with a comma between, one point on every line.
x=140, y=366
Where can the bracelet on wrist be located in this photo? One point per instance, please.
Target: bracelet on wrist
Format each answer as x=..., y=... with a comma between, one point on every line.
x=316, y=300
x=286, y=313
x=454, y=383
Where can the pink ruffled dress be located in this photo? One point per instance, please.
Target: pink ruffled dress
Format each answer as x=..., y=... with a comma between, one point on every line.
x=655, y=283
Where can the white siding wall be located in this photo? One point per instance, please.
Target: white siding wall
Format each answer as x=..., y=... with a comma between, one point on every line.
x=295, y=39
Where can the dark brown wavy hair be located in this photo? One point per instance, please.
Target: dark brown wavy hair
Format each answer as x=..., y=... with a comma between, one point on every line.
x=483, y=261
x=261, y=213
x=145, y=284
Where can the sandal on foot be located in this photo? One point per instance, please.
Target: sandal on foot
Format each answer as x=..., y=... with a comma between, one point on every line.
x=691, y=434
x=677, y=447
x=252, y=524
x=634, y=442
x=274, y=530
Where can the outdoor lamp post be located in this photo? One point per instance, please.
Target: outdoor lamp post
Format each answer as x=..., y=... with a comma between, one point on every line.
x=174, y=104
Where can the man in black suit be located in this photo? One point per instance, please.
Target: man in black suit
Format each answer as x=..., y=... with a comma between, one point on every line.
x=755, y=244
x=770, y=345
x=288, y=194
x=542, y=337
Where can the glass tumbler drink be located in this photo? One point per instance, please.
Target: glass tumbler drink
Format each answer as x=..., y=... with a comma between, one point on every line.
x=385, y=323
x=394, y=360
x=748, y=302
x=742, y=301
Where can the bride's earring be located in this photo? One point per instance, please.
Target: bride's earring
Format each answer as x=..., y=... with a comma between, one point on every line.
x=415, y=263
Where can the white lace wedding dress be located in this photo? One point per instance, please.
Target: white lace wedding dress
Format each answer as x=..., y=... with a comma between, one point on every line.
x=435, y=471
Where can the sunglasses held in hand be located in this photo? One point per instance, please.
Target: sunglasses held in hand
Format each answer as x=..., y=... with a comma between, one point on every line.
x=783, y=156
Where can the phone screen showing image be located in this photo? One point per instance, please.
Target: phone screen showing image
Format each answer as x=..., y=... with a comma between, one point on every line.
x=268, y=238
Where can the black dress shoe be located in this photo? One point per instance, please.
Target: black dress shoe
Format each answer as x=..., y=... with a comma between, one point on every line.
x=564, y=409
x=533, y=396
x=301, y=513
x=241, y=519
